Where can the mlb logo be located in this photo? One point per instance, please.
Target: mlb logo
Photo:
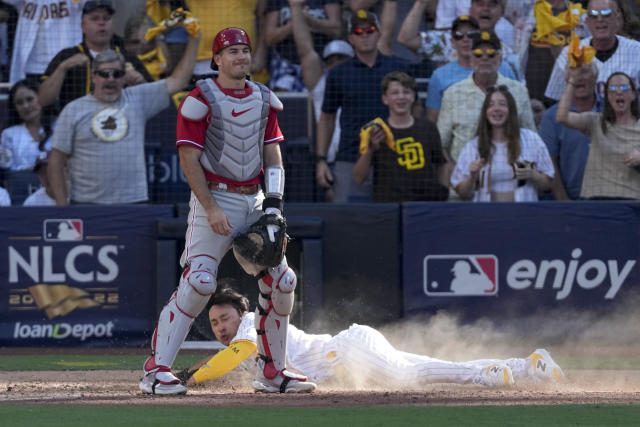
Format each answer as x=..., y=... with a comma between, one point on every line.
x=62, y=230
x=460, y=275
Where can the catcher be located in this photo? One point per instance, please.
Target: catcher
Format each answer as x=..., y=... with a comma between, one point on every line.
x=360, y=353
x=227, y=138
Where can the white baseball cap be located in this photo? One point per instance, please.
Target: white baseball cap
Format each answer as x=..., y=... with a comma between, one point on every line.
x=337, y=47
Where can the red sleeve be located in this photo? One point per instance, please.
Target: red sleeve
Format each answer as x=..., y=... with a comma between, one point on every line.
x=272, y=133
x=190, y=131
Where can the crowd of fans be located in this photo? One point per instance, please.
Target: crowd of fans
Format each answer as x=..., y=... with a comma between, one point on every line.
x=414, y=100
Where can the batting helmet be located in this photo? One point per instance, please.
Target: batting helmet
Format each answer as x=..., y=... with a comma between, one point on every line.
x=229, y=37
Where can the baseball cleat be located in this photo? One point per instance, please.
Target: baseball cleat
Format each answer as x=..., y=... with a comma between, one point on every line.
x=285, y=382
x=161, y=383
x=543, y=367
x=159, y=380
x=496, y=375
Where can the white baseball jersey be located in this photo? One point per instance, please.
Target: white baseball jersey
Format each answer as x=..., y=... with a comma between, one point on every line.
x=365, y=354
x=23, y=150
x=45, y=27
x=305, y=352
x=624, y=59
x=499, y=171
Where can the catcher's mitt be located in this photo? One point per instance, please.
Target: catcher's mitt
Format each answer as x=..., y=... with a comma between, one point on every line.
x=184, y=375
x=255, y=246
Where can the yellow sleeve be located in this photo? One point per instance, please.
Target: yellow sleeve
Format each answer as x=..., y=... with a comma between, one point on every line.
x=225, y=361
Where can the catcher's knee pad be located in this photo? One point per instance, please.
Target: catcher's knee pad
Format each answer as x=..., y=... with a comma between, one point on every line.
x=197, y=284
x=278, y=286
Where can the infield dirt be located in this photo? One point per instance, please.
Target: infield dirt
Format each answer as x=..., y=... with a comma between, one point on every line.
x=121, y=388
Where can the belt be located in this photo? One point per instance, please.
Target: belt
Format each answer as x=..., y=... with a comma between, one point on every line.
x=229, y=188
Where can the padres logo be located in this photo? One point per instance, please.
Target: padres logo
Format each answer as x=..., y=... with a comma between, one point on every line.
x=410, y=153
x=109, y=124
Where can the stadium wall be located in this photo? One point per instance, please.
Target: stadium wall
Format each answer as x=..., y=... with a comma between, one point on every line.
x=97, y=276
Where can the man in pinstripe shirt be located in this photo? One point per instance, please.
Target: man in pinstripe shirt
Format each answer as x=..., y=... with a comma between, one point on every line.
x=360, y=354
x=613, y=52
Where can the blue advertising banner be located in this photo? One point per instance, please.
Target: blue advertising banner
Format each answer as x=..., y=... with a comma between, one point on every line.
x=78, y=276
x=481, y=258
x=166, y=182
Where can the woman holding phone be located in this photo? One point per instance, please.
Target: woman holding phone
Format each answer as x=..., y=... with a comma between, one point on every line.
x=503, y=163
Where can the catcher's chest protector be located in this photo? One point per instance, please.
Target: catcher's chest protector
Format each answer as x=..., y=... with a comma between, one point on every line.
x=234, y=139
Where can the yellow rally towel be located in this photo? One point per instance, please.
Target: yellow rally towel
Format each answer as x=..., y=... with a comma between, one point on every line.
x=176, y=18
x=158, y=10
x=548, y=25
x=225, y=361
x=579, y=55
x=365, y=134
x=155, y=62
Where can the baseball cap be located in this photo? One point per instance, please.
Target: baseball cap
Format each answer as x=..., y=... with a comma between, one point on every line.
x=41, y=160
x=486, y=37
x=337, y=47
x=363, y=17
x=464, y=19
x=94, y=4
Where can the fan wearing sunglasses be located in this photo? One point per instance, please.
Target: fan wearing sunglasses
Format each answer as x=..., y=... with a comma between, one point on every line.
x=99, y=137
x=613, y=166
x=439, y=45
x=613, y=52
x=461, y=103
x=569, y=148
x=68, y=75
x=354, y=88
x=463, y=29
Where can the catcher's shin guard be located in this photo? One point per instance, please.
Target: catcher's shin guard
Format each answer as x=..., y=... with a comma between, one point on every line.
x=275, y=303
x=197, y=284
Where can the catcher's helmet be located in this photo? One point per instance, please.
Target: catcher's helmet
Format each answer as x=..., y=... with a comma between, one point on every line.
x=229, y=37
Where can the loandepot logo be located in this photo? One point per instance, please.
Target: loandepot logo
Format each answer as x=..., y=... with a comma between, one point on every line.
x=61, y=331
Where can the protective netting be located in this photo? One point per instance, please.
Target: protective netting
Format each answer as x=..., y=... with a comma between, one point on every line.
x=47, y=45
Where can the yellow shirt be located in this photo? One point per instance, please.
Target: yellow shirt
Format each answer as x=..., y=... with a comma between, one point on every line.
x=216, y=15
x=225, y=361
